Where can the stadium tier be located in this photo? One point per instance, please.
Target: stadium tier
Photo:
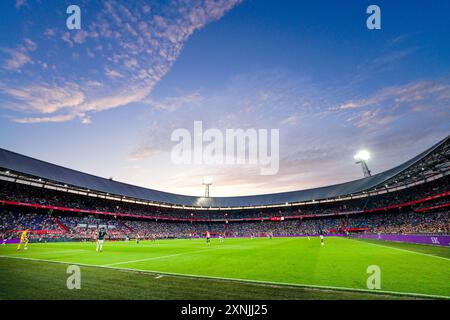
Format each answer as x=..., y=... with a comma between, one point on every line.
x=56, y=203
x=430, y=164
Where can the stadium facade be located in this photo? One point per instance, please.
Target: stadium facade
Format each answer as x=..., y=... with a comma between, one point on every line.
x=60, y=204
x=432, y=164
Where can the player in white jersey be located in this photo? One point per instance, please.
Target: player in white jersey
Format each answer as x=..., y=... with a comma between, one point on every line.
x=322, y=242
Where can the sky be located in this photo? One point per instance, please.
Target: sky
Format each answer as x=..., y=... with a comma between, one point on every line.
x=105, y=99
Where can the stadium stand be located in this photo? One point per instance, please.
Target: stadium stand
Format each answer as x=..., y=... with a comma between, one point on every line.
x=56, y=204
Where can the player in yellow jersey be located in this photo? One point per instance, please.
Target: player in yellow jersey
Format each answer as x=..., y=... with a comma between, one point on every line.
x=23, y=240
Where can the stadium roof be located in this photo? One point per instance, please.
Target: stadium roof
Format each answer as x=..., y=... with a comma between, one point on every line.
x=50, y=172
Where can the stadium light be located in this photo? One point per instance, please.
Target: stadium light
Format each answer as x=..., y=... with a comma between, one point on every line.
x=207, y=182
x=361, y=157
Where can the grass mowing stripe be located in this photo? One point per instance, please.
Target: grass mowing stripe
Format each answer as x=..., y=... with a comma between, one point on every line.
x=340, y=263
x=400, y=249
x=168, y=256
x=259, y=282
x=31, y=280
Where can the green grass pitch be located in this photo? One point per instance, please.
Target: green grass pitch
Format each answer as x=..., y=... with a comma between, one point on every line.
x=260, y=268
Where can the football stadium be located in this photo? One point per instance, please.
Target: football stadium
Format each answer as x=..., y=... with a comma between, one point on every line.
x=309, y=244
x=224, y=158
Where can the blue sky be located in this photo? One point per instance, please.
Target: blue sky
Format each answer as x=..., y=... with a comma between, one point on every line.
x=105, y=99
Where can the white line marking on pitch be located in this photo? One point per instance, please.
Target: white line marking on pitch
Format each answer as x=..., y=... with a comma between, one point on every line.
x=405, y=250
x=259, y=282
x=159, y=276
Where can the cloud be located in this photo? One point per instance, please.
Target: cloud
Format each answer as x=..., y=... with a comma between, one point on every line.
x=60, y=118
x=69, y=99
x=387, y=60
x=19, y=55
x=66, y=37
x=80, y=36
x=393, y=106
x=174, y=103
x=317, y=152
x=17, y=60
x=44, y=99
x=86, y=120
x=374, y=118
x=50, y=32
x=113, y=73
x=290, y=120
x=20, y=3
x=297, y=171
x=411, y=92
x=115, y=100
x=123, y=42
x=268, y=99
x=131, y=63
x=143, y=152
x=55, y=119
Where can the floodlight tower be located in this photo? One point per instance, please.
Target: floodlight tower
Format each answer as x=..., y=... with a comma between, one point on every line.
x=361, y=158
x=207, y=182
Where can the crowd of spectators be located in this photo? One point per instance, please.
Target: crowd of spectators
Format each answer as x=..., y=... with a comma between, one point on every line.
x=78, y=227
x=56, y=224
x=19, y=221
x=30, y=194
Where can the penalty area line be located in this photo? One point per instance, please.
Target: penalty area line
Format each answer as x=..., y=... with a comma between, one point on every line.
x=247, y=281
